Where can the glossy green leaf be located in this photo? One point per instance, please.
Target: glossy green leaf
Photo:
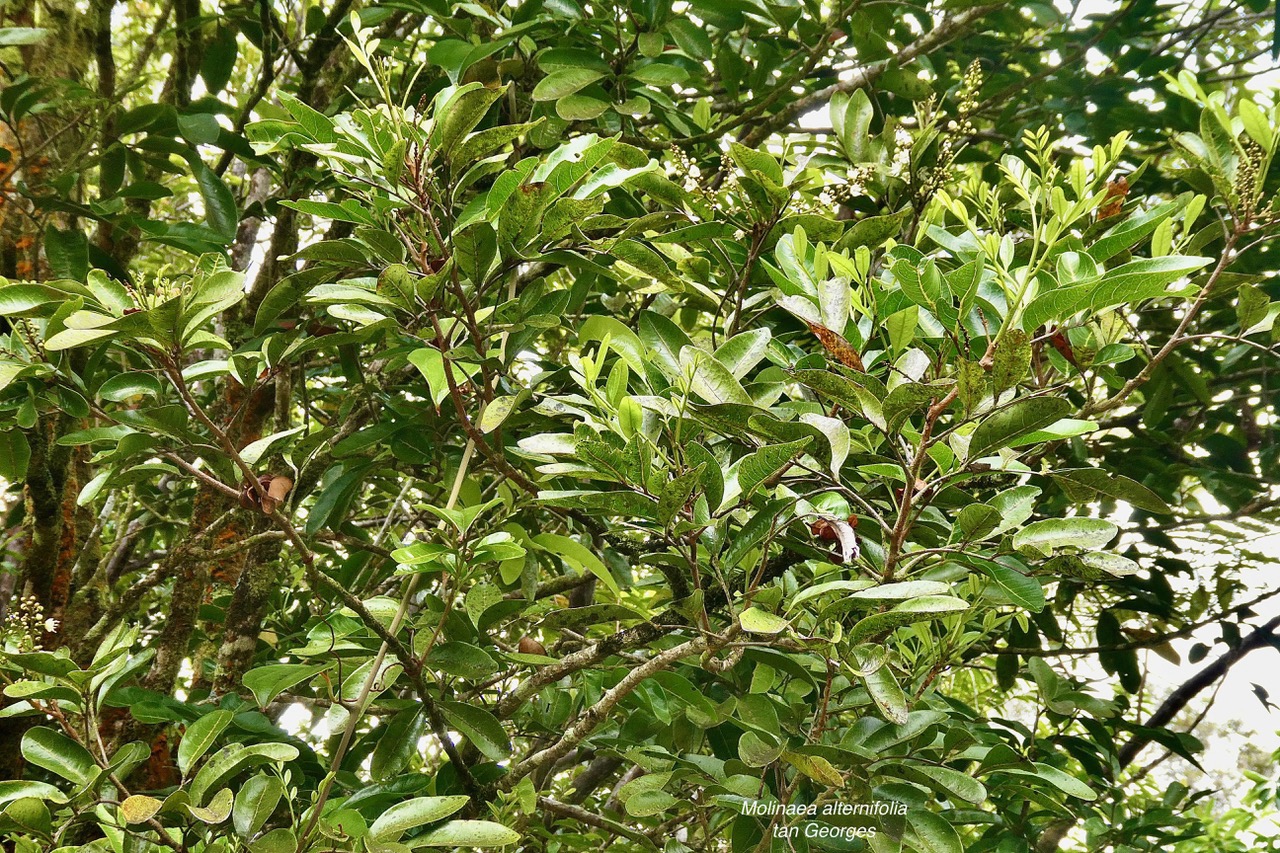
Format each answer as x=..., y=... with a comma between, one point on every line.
x=410, y=814
x=468, y=833
x=255, y=802
x=59, y=754
x=480, y=727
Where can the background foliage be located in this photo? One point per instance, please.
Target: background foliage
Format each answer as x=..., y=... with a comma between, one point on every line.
x=564, y=424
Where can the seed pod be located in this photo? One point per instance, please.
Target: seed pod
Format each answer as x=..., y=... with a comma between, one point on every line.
x=530, y=646
x=277, y=489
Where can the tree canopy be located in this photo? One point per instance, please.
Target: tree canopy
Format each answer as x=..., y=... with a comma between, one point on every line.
x=685, y=426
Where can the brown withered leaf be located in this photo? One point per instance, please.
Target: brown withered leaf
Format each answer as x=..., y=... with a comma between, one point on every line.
x=840, y=531
x=834, y=343
x=1063, y=346
x=1114, y=200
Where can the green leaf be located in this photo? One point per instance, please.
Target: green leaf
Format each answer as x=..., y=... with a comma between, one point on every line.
x=565, y=214
x=56, y=664
x=15, y=455
x=563, y=82
x=462, y=659
x=1064, y=782
x=577, y=555
x=72, y=338
x=1128, y=233
x=268, y=682
x=497, y=411
x=817, y=590
x=232, y=759
x=219, y=60
x=751, y=534
x=1127, y=284
x=67, y=252
x=863, y=395
x=25, y=300
x=281, y=840
x=479, y=726
x=767, y=462
x=255, y=802
x=910, y=397
x=1011, y=361
x=757, y=160
x=1064, y=428
x=199, y=736
x=218, y=810
x=953, y=783
x=676, y=493
x=1252, y=306
x=742, y=352
x=758, y=621
x=577, y=618
x=1083, y=484
x=59, y=754
x=815, y=767
x=908, y=612
x=927, y=832
x=431, y=364
x=887, y=695
x=660, y=74
x=902, y=327
x=219, y=204
x=622, y=339
x=410, y=814
x=664, y=340
x=124, y=386
x=602, y=503
x=468, y=833
x=900, y=591
x=872, y=231
x=648, y=803
x=18, y=790
x=581, y=107
x=1022, y=590
x=1053, y=533
x=460, y=115
x=398, y=744
x=975, y=522
x=755, y=751
x=486, y=141
x=1005, y=425
x=253, y=452
x=199, y=128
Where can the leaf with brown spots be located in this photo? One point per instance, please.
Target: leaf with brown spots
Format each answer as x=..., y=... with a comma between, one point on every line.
x=835, y=344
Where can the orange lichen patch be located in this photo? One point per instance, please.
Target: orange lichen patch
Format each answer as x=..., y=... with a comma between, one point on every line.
x=227, y=570
x=68, y=550
x=161, y=771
